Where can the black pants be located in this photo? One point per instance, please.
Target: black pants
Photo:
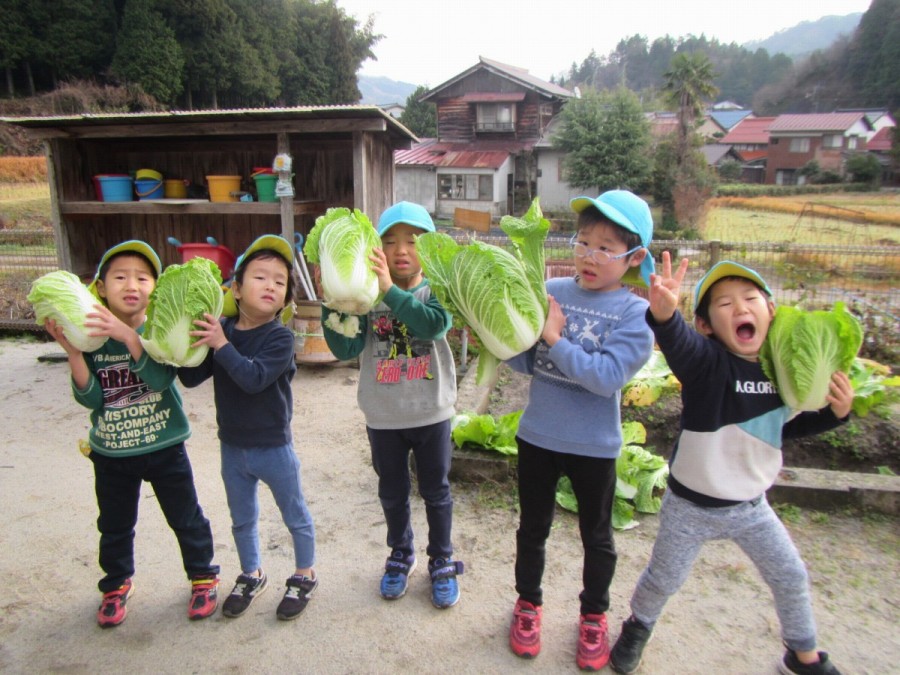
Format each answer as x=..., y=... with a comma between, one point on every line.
x=117, y=482
x=594, y=485
x=431, y=448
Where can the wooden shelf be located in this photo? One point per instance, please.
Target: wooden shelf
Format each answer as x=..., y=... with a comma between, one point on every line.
x=188, y=206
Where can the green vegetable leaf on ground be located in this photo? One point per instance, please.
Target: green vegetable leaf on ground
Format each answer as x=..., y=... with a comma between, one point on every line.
x=484, y=431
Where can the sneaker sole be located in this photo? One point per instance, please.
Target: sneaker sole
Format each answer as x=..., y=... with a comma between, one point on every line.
x=412, y=568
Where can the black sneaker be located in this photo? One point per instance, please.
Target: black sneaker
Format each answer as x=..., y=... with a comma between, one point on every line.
x=245, y=590
x=625, y=656
x=791, y=665
x=299, y=590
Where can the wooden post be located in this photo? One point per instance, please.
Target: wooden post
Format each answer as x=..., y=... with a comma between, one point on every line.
x=287, y=203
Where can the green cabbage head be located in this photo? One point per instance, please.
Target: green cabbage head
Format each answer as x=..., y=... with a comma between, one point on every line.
x=61, y=296
x=803, y=349
x=500, y=295
x=340, y=243
x=183, y=293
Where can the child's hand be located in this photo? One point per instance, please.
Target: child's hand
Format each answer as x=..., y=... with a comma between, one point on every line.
x=56, y=332
x=665, y=288
x=380, y=267
x=210, y=332
x=103, y=323
x=840, y=394
x=555, y=324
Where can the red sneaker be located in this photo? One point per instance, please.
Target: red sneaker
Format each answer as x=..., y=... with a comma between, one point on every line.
x=525, y=630
x=204, y=597
x=593, y=642
x=112, y=610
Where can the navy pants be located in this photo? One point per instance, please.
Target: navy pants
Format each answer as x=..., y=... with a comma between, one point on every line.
x=117, y=482
x=431, y=448
x=594, y=484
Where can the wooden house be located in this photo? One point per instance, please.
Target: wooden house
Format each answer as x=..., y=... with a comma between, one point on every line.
x=489, y=119
x=340, y=156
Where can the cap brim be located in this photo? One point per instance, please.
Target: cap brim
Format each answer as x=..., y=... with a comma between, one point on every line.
x=723, y=269
x=579, y=204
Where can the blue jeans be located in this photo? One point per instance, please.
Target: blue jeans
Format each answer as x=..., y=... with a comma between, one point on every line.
x=431, y=447
x=117, y=483
x=279, y=468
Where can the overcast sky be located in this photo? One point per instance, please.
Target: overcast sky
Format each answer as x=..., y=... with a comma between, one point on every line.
x=430, y=41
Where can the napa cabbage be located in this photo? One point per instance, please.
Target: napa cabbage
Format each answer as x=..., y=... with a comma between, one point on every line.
x=499, y=295
x=803, y=349
x=61, y=296
x=183, y=294
x=340, y=243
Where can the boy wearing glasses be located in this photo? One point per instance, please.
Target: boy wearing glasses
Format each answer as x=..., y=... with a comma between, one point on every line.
x=594, y=340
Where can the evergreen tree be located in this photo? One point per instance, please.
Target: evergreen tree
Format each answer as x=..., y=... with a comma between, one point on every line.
x=420, y=117
x=148, y=53
x=78, y=39
x=605, y=138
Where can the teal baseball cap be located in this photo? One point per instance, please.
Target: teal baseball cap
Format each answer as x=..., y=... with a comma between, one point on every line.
x=727, y=268
x=405, y=212
x=627, y=210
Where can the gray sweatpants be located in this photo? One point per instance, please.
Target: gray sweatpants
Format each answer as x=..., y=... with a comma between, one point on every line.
x=683, y=529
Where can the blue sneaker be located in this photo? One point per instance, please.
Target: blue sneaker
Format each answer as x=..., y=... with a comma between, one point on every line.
x=396, y=575
x=444, y=587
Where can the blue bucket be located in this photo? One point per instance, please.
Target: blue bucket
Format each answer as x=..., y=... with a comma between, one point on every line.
x=113, y=188
x=146, y=188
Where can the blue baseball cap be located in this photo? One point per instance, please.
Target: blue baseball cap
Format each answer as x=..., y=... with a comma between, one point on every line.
x=405, y=212
x=626, y=209
x=723, y=269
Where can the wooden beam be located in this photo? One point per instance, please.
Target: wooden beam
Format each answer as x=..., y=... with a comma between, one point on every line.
x=153, y=207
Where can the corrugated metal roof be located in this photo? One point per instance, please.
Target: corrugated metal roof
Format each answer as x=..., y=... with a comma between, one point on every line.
x=750, y=130
x=486, y=155
x=728, y=118
x=816, y=122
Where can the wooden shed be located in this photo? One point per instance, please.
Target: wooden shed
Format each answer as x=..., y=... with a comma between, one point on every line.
x=341, y=156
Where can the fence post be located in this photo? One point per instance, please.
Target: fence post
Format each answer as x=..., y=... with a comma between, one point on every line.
x=715, y=249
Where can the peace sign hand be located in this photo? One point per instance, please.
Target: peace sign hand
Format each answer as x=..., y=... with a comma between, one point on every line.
x=665, y=288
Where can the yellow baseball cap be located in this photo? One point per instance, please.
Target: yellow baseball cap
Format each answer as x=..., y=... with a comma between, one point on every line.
x=272, y=242
x=727, y=268
x=132, y=246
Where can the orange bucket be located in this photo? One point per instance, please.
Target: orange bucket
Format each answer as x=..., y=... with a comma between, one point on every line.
x=221, y=187
x=175, y=188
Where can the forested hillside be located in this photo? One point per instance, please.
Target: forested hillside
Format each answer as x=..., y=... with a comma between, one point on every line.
x=197, y=54
x=860, y=71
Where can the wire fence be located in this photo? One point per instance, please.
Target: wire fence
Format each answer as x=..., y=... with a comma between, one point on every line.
x=864, y=277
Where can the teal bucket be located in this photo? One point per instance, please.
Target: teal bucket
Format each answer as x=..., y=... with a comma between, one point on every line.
x=113, y=188
x=148, y=189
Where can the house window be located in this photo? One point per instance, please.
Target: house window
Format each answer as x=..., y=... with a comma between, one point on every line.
x=833, y=141
x=470, y=186
x=799, y=145
x=851, y=142
x=496, y=117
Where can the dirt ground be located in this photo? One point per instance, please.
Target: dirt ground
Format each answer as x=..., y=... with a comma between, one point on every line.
x=722, y=621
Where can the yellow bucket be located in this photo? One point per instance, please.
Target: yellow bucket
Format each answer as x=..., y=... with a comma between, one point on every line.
x=175, y=188
x=221, y=187
x=310, y=344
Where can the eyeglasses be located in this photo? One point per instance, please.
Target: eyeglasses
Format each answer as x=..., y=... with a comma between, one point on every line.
x=596, y=255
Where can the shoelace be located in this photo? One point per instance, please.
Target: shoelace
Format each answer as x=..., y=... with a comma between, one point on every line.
x=526, y=621
x=591, y=633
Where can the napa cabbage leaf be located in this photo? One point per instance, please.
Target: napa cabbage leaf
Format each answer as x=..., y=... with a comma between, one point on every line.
x=61, y=296
x=183, y=294
x=804, y=348
x=340, y=243
x=499, y=295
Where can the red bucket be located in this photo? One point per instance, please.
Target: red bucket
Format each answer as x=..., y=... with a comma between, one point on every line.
x=221, y=255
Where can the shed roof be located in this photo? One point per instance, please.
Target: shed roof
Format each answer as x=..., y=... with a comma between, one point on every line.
x=816, y=122
x=302, y=119
x=482, y=155
x=750, y=130
x=518, y=75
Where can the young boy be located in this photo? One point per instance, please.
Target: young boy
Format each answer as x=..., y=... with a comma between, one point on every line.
x=407, y=390
x=120, y=382
x=251, y=361
x=727, y=455
x=595, y=339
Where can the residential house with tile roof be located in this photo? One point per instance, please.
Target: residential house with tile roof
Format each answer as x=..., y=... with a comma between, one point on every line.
x=749, y=139
x=490, y=117
x=828, y=138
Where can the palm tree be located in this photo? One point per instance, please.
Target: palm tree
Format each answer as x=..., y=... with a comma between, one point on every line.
x=689, y=84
